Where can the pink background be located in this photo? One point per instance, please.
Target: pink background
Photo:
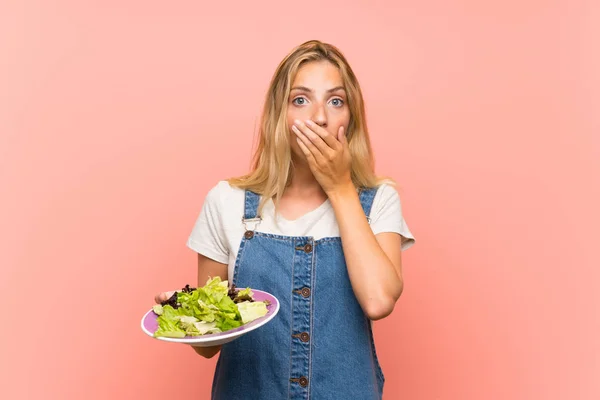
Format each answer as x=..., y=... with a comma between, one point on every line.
x=117, y=117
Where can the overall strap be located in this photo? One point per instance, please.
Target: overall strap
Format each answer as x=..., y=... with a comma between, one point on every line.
x=366, y=196
x=251, y=205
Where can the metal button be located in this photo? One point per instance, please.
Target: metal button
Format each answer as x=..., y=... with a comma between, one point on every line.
x=303, y=381
x=304, y=336
x=308, y=248
x=249, y=234
x=305, y=292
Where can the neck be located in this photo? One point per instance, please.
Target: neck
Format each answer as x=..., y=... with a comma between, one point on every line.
x=303, y=181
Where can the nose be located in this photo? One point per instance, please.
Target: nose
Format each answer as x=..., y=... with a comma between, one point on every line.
x=319, y=116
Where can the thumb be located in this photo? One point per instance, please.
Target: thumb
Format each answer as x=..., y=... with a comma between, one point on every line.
x=163, y=296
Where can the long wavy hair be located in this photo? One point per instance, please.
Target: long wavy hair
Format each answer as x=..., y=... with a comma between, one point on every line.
x=272, y=165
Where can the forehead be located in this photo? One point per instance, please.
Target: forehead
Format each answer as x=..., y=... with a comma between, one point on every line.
x=318, y=74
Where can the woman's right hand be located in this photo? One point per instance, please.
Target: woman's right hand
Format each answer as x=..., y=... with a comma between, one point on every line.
x=206, y=268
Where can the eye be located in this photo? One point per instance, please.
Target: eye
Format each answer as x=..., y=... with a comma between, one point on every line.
x=339, y=103
x=295, y=101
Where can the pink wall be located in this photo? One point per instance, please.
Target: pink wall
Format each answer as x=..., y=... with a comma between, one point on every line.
x=116, y=117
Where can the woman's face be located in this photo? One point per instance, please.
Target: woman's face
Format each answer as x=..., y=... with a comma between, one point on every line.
x=317, y=94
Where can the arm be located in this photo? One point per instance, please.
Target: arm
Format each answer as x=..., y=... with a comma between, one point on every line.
x=209, y=268
x=374, y=262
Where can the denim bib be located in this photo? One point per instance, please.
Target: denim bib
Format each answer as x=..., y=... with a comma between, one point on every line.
x=320, y=345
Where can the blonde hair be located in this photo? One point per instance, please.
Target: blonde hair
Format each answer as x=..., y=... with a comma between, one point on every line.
x=272, y=164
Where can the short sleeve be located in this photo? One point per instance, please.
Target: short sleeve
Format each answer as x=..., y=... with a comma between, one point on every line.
x=208, y=234
x=386, y=215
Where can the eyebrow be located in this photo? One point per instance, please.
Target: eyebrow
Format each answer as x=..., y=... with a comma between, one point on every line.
x=305, y=89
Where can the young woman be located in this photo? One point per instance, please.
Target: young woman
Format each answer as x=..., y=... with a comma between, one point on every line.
x=313, y=225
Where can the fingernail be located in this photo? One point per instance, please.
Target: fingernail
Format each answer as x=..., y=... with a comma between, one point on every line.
x=308, y=122
x=297, y=122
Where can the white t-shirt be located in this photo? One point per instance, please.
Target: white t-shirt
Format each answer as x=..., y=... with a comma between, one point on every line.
x=218, y=231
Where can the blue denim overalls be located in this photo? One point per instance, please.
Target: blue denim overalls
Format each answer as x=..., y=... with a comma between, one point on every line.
x=320, y=345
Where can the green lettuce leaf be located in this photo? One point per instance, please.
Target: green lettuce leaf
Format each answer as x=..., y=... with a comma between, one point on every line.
x=168, y=323
x=244, y=295
x=251, y=311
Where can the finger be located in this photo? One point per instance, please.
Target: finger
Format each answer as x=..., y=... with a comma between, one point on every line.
x=164, y=296
x=309, y=156
x=159, y=298
x=316, y=140
x=307, y=143
x=343, y=138
x=328, y=138
x=340, y=134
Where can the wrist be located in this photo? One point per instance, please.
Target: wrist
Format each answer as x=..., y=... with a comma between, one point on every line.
x=341, y=191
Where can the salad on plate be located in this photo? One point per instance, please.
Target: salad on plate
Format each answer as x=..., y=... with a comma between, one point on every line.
x=213, y=308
